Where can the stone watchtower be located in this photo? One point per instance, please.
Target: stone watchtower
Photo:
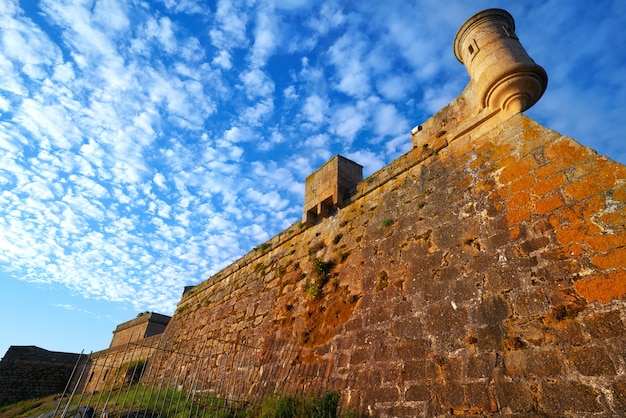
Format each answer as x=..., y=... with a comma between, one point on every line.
x=503, y=74
x=327, y=187
x=504, y=81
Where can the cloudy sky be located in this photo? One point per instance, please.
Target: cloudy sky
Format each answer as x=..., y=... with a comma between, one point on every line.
x=146, y=144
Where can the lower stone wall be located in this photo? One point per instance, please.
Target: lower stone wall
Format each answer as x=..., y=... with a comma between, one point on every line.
x=487, y=277
x=28, y=372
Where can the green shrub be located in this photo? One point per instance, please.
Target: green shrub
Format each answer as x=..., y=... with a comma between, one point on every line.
x=387, y=222
x=322, y=406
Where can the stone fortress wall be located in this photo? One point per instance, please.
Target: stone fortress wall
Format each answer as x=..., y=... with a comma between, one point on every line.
x=28, y=372
x=483, y=272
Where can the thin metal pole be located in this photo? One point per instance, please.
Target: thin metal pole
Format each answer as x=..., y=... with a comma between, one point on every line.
x=82, y=394
x=175, y=355
x=156, y=402
x=220, y=370
x=73, y=391
x=238, y=388
x=117, y=372
x=144, y=353
x=147, y=378
x=132, y=358
x=192, y=384
x=153, y=378
x=95, y=364
x=68, y=384
x=232, y=378
x=144, y=373
x=108, y=375
x=208, y=376
x=177, y=373
x=194, y=367
x=103, y=369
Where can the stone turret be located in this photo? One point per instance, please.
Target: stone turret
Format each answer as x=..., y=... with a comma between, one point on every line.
x=505, y=77
x=504, y=81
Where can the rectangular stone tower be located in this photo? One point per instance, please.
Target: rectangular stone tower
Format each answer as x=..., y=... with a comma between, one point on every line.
x=326, y=187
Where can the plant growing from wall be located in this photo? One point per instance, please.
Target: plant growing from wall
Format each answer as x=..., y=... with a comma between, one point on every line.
x=387, y=222
x=263, y=247
x=133, y=370
x=321, y=275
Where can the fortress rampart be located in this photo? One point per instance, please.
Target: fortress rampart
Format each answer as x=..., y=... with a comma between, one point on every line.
x=483, y=272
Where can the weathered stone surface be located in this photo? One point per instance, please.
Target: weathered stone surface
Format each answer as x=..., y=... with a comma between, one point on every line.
x=481, y=273
x=568, y=398
x=452, y=271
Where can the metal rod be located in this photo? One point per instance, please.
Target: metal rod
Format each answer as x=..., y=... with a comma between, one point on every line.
x=74, y=390
x=154, y=377
x=130, y=362
x=194, y=379
x=117, y=372
x=208, y=380
x=156, y=402
x=82, y=394
x=103, y=369
x=68, y=384
x=176, y=375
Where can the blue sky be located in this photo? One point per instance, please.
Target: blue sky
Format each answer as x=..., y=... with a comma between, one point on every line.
x=145, y=145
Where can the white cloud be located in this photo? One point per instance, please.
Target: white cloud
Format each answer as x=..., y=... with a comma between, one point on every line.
x=111, y=14
x=290, y=93
x=394, y=87
x=223, y=59
x=230, y=28
x=259, y=112
x=348, y=121
x=315, y=108
x=266, y=38
x=257, y=83
x=388, y=121
x=347, y=57
x=330, y=17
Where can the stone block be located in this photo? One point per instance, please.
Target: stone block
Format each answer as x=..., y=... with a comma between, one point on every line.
x=568, y=398
x=515, y=398
x=417, y=393
x=480, y=365
x=489, y=338
x=412, y=349
x=491, y=311
x=591, y=361
x=605, y=324
x=420, y=370
x=530, y=363
x=477, y=398
x=408, y=328
x=450, y=395
x=360, y=355
x=619, y=396
x=382, y=394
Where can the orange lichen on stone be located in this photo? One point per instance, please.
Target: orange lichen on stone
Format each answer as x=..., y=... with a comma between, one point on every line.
x=605, y=242
x=563, y=154
x=549, y=185
x=610, y=260
x=517, y=170
x=548, y=204
x=523, y=183
x=576, y=233
x=592, y=184
x=602, y=288
x=615, y=221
